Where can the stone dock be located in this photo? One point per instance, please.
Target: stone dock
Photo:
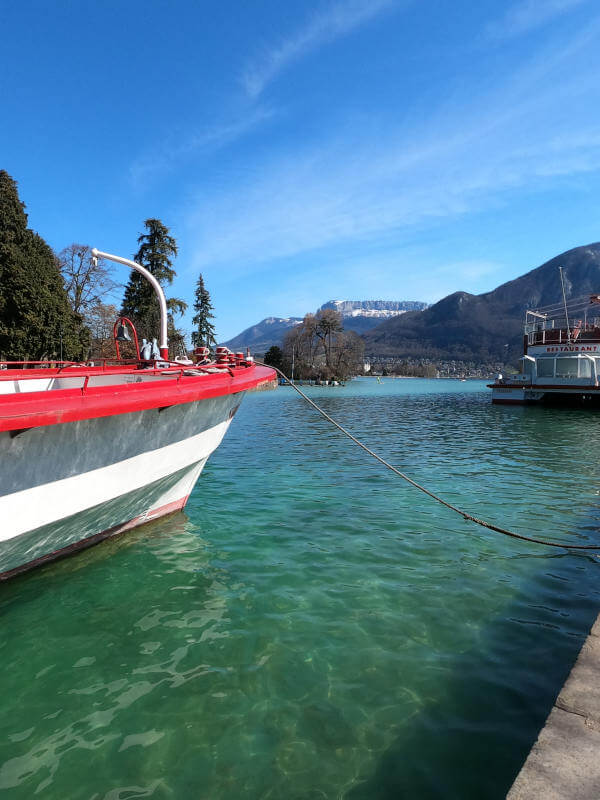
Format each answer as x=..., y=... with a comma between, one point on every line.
x=564, y=763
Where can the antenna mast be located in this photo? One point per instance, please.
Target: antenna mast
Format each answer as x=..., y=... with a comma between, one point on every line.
x=562, y=283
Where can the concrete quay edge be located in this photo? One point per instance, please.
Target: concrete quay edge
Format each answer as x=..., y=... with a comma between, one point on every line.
x=564, y=763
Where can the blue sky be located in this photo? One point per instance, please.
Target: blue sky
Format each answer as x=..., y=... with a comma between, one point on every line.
x=308, y=151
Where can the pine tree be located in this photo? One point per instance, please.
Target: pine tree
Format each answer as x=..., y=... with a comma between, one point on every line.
x=274, y=357
x=204, y=333
x=36, y=320
x=156, y=250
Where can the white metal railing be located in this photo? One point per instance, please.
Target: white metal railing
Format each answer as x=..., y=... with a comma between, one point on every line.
x=557, y=332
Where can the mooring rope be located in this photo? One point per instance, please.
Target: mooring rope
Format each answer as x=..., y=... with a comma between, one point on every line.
x=490, y=526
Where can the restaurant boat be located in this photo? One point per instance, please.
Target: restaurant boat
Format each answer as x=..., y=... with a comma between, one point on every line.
x=561, y=357
x=88, y=451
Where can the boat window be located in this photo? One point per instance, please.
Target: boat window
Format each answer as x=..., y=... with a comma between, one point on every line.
x=566, y=367
x=527, y=367
x=585, y=368
x=545, y=367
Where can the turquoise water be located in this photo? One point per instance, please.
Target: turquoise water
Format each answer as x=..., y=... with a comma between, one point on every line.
x=312, y=627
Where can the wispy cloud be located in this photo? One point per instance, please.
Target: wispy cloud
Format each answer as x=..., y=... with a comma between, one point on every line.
x=526, y=15
x=325, y=26
x=334, y=197
x=359, y=186
x=336, y=20
x=200, y=144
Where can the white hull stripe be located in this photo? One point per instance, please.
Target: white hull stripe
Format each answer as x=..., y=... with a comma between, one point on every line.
x=94, y=524
x=40, y=505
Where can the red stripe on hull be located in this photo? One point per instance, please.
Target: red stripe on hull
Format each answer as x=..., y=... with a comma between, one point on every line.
x=161, y=511
x=24, y=410
x=149, y=516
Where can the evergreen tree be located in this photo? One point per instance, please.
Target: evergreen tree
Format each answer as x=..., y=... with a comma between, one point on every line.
x=156, y=250
x=274, y=357
x=204, y=333
x=36, y=320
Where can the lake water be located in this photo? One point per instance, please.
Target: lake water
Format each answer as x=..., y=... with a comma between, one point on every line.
x=313, y=627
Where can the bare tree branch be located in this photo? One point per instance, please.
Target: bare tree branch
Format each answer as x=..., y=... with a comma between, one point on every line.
x=86, y=283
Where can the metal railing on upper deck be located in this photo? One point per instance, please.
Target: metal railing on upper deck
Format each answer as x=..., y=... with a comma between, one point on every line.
x=555, y=324
x=588, y=333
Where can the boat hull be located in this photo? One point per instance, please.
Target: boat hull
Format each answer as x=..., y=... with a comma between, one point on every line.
x=585, y=396
x=514, y=395
x=69, y=486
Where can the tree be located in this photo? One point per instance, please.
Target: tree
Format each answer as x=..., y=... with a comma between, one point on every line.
x=204, y=333
x=296, y=354
x=100, y=319
x=348, y=354
x=309, y=338
x=36, y=320
x=86, y=282
x=177, y=342
x=320, y=348
x=274, y=357
x=329, y=322
x=156, y=250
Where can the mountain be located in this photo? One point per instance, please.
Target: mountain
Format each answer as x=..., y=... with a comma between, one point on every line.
x=363, y=315
x=383, y=308
x=487, y=327
x=263, y=335
x=359, y=316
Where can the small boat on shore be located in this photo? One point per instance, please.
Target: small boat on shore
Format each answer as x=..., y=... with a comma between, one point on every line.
x=561, y=357
x=90, y=451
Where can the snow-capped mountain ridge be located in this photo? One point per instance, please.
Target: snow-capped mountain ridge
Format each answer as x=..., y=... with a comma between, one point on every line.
x=356, y=308
x=358, y=315
x=278, y=320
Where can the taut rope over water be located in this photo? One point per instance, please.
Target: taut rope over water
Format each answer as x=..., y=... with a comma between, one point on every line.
x=464, y=514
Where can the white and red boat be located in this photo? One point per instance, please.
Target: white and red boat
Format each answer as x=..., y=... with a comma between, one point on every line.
x=90, y=451
x=561, y=357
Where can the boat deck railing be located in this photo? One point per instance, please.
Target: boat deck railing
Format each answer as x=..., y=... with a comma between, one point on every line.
x=22, y=377
x=561, y=334
x=565, y=323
